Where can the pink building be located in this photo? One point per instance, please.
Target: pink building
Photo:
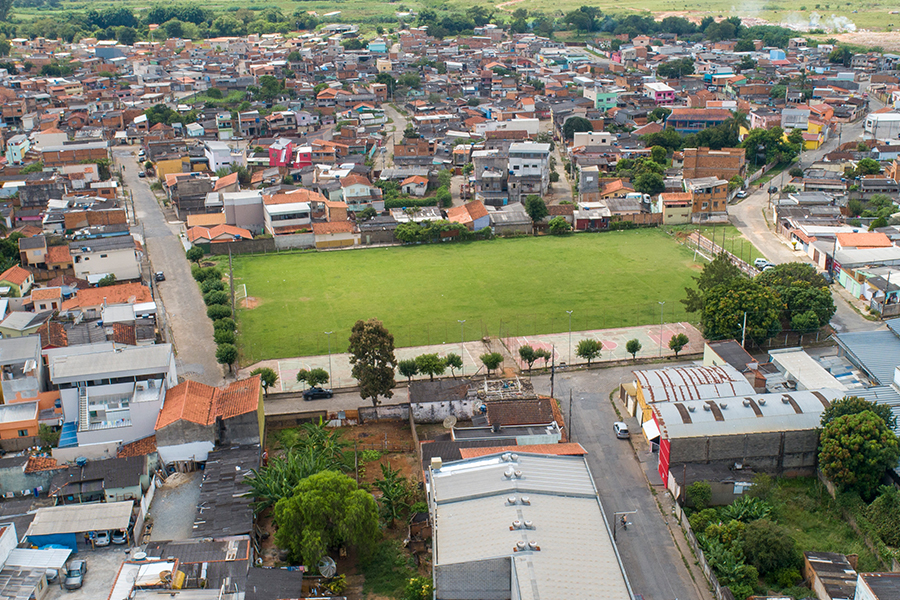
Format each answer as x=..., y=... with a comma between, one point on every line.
x=662, y=94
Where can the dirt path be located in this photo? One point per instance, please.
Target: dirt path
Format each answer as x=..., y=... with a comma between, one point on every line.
x=504, y=5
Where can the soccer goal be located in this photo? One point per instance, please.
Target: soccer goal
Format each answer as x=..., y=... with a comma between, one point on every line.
x=240, y=292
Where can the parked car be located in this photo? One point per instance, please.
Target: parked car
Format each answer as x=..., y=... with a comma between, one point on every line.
x=101, y=538
x=119, y=537
x=141, y=154
x=741, y=194
x=75, y=574
x=52, y=575
x=159, y=276
x=317, y=393
x=829, y=279
x=621, y=430
x=142, y=174
x=773, y=189
x=761, y=263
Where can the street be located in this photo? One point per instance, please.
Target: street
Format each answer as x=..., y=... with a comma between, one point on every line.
x=752, y=217
x=654, y=565
x=185, y=311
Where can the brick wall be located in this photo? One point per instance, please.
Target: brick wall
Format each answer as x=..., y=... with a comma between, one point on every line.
x=724, y=164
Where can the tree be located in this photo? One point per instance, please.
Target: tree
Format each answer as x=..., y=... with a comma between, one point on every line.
x=633, y=347
x=805, y=322
x=726, y=305
x=576, y=124
x=675, y=69
x=226, y=354
x=107, y=281
x=658, y=154
x=856, y=450
x=719, y=271
x=175, y=29
x=5, y=10
x=48, y=437
x=216, y=297
x=699, y=494
x=677, y=342
x=194, y=254
x=408, y=368
x=588, y=350
x=649, y=183
x=267, y=377
x=491, y=360
x=431, y=365
x=326, y=510
x=127, y=35
x=535, y=208
x=851, y=405
x=558, y=226
x=372, y=359
x=868, y=166
x=453, y=361
x=769, y=547
x=796, y=172
x=313, y=377
x=223, y=336
x=801, y=289
x=410, y=132
x=419, y=588
x=526, y=353
x=367, y=213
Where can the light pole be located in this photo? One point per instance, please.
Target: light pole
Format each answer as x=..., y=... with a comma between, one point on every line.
x=462, y=342
x=661, y=306
x=328, y=333
x=624, y=521
x=570, y=335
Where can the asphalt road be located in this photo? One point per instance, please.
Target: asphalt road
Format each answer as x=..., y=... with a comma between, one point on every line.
x=652, y=561
x=185, y=311
x=752, y=218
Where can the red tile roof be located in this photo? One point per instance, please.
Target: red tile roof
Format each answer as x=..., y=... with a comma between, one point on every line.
x=866, y=239
x=15, y=274
x=224, y=182
x=58, y=255
x=566, y=449
x=333, y=227
x=295, y=196
x=123, y=293
x=202, y=404
x=41, y=463
x=140, y=447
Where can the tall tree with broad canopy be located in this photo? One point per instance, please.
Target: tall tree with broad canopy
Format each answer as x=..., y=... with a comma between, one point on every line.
x=313, y=377
x=408, y=368
x=372, y=359
x=326, y=510
x=724, y=307
x=576, y=124
x=267, y=377
x=536, y=208
x=453, y=362
x=431, y=365
x=717, y=272
x=851, y=405
x=856, y=451
x=677, y=342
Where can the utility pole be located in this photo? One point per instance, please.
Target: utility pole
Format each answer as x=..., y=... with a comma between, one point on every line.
x=661, y=307
x=552, y=368
x=570, y=336
x=571, y=435
x=744, y=330
x=328, y=333
x=462, y=344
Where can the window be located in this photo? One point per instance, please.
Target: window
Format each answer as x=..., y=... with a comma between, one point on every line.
x=103, y=255
x=23, y=433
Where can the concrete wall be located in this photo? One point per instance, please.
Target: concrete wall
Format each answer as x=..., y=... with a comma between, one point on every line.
x=198, y=451
x=99, y=451
x=16, y=480
x=436, y=412
x=296, y=240
x=245, y=247
x=489, y=579
x=790, y=453
x=183, y=432
x=243, y=429
x=393, y=412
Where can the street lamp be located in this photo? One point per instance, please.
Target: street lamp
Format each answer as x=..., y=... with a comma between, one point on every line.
x=462, y=341
x=328, y=333
x=570, y=335
x=624, y=521
x=661, y=306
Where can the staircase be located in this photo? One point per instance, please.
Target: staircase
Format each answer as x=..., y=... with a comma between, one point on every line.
x=84, y=415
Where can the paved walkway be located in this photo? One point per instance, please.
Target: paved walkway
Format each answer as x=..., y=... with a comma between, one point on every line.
x=185, y=311
x=614, y=340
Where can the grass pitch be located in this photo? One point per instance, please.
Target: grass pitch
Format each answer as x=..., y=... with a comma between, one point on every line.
x=502, y=287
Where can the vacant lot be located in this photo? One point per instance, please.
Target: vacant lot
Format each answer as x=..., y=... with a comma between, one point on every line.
x=421, y=293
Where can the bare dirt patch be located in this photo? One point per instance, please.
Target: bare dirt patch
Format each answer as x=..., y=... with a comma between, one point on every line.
x=890, y=41
x=249, y=303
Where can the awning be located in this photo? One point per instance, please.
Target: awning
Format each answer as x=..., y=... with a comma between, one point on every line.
x=52, y=558
x=77, y=518
x=651, y=431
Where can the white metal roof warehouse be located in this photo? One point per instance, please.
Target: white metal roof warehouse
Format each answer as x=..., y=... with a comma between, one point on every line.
x=81, y=517
x=523, y=526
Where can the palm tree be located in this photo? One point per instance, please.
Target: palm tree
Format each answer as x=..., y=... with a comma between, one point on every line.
x=736, y=121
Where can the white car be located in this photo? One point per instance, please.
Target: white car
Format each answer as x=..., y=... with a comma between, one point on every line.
x=621, y=430
x=741, y=194
x=101, y=538
x=761, y=263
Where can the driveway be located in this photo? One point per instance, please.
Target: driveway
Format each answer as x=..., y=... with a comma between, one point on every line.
x=654, y=564
x=393, y=130
x=102, y=567
x=185, y=311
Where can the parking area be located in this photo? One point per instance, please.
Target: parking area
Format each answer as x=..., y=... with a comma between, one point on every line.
x=174, y=507
x=102, y=566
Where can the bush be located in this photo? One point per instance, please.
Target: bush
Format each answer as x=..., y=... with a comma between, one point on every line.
x=216, y=297
x=554, y=177
x=769, y=547
x=787, y=577
x=202, y=274
x=884, y=515
x=218, y=311
x=699, y=494
x=226, y=323
x=223, y=336
x=701, y=520
x=212, y=285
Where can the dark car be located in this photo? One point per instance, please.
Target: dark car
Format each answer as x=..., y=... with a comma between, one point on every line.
x=142, y=174
x=75, y=574
x=317, y=393
x=773, y=189
x=159, y=276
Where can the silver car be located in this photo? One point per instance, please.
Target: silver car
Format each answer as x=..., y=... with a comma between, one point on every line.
x=621, y=430
x=75, y=574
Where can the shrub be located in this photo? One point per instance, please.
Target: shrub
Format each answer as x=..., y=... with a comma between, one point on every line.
x=216, y=297
x=212, y=285
x=787, y=577
x=223, y=336
x=769, y=547
x=747, y=509
x=699, y=494
x=218, y=311
x=701, y=520
x=226, y=323
x=884, y=514
x=202, y=274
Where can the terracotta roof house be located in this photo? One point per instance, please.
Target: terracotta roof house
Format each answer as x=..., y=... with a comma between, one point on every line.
x=865, y=239
x=58, y=258
x=16, y=282
x=47, y=298
x=219, y=233
x=91, y=301
x=195, y=417
x=472, y=214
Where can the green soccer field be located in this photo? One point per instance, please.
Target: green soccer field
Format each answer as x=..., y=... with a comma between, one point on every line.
x=511, y=287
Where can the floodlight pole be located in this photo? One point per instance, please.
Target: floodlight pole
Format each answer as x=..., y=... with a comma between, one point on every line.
x=616, y=520
x=570, y=336
x=661, y=307
x=462, y=343
x=328, y=333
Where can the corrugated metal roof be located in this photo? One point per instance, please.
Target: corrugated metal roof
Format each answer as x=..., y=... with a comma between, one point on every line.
x=883, y=394
x=875, y=352
x=675, y=384
x=51, y=558
x=753, y=413
x=81, y=517
x=474, y=520
x=894, y=325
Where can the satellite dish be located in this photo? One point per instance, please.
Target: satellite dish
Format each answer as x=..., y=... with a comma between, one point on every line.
x=449, y=422
x=327, y=567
